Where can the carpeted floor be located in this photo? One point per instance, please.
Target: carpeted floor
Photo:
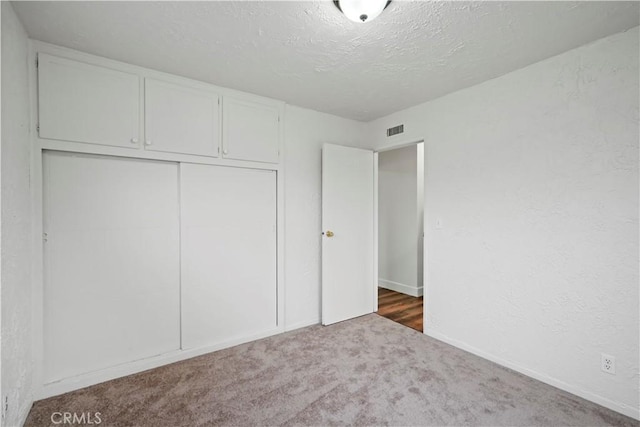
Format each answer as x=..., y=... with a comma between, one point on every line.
x=366, y=371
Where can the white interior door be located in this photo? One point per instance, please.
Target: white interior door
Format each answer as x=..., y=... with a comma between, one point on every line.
x=111, y=255
x=228, y=253
x=348, y=232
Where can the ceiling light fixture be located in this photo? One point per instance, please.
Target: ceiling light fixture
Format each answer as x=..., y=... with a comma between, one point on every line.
x=361, y=10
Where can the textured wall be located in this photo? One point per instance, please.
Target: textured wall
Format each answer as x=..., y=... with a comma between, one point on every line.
x=398, y=220
x=16, y=225
x=535, y=175
x=305, y=132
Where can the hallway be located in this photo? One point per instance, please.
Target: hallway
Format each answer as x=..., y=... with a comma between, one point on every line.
x=401, y=308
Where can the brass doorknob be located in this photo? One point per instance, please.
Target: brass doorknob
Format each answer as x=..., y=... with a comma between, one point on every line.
x=329, y=233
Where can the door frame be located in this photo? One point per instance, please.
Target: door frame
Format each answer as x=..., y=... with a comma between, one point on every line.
x=376, y=152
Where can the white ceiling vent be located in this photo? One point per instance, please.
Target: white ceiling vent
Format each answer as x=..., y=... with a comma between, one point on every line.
x=395, y=130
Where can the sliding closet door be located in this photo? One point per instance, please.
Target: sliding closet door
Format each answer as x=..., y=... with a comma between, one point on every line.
x=111, y=292
x=228, y=218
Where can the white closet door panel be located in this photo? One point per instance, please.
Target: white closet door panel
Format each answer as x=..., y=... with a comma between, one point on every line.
x=228, y=253
x=86, y=103
x=251, y=131
x=179, y=119
x=111, y=291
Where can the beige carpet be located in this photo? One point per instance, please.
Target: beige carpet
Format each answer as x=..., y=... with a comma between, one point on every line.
x=366, y=371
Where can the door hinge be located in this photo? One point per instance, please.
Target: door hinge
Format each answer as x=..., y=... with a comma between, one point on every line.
x=38, y=128
x=37, y=62
x=218, y=101
x=45, y=237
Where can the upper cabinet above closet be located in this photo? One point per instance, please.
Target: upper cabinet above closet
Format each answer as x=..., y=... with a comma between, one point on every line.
x=251, y=130
x=86, y=99
x=180, y=119
x=85, y=103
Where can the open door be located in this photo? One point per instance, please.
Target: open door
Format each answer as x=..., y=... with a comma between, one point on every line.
x=348, y=233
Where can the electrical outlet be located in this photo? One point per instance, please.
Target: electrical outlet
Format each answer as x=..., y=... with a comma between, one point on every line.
x=608, y=364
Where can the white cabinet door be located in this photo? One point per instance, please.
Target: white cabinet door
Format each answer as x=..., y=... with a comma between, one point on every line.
x=86, y=103
x=111, y=256
x=228, y=220
x=251, y=131
x=180, y=119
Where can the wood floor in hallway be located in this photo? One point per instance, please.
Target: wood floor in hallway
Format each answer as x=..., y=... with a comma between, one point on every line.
x=401, y=308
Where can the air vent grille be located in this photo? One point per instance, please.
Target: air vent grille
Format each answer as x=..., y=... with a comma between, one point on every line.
x=395, y=130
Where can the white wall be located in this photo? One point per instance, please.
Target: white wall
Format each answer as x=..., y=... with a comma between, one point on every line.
x=1, y=340
x=535, y=176
x=16, y=226
x=305, y=132
x=398, y=232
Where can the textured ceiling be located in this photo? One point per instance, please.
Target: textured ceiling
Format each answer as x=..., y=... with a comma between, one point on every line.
x=308, y=54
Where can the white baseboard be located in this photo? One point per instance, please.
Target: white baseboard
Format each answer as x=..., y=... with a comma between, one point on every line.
x=85, y=380
x=303, y=324
x=400, y=287
x=603, y=401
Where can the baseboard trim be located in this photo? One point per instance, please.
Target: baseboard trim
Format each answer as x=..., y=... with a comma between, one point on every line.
x=303, y=324
x=595, y=398
x=400, y=287
x=85, y=380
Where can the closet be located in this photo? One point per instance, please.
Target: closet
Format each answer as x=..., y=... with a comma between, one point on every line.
x=258, y=141
x=82, y=102
x=160, y=209
x=112, y=262
x=181, y=119
x=86, y=103
x=228, y=220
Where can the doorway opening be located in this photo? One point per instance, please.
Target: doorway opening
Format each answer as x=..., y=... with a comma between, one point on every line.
x=401, y=235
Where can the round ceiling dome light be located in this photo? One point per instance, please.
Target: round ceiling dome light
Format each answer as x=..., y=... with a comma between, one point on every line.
x=362, y=10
